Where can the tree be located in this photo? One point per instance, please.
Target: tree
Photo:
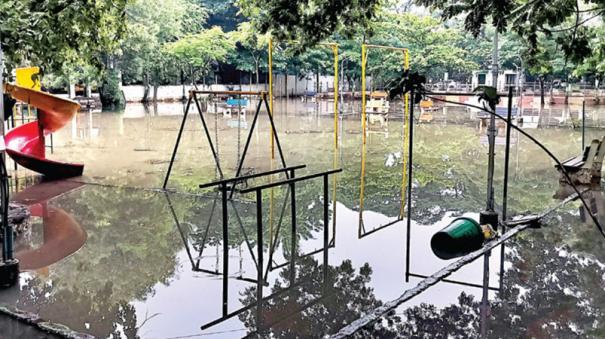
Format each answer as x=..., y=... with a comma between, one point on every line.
x=252, y=49
x=563, y=21
x=199, y=52
x=151, y=25
x=53, y=33
x=309, y=22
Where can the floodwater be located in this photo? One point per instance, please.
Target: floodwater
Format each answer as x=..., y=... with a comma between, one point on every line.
x=111, y=255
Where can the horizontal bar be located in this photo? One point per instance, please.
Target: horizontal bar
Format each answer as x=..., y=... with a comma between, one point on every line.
x=250, y=280
x=306, y=255
x=378, y=228
x=229, y=92
x=387, y=47
x=290, y=181
x=250, y=176
x=455, y=282
x=460, y=94
x=247, y=307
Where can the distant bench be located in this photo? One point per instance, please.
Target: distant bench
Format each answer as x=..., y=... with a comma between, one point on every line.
x=586, y=168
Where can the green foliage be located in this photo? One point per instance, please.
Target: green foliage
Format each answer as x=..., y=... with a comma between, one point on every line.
x=110, y=93
x=562, y=21
x=52, y=33
x=310, y=22
x=202, y=50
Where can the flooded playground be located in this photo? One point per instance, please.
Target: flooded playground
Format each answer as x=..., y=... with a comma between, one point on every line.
x=133, y=260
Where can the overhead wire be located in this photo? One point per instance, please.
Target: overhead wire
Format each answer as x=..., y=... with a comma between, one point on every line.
x=544, y=148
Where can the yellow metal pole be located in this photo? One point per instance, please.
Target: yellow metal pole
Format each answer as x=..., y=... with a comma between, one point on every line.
x=363, y=92
x=335, y=51
x=271, y=93
x=406, y=137
x=363, y=181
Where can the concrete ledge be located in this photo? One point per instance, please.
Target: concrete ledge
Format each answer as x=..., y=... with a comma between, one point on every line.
x=42, y=325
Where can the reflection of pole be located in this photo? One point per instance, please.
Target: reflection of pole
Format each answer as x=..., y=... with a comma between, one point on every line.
x=259, y=268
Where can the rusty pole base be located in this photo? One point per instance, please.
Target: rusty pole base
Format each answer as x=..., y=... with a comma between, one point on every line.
x=9, y=273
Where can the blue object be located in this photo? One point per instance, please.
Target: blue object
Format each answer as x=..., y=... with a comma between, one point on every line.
x=237, y=102
x=501, y=111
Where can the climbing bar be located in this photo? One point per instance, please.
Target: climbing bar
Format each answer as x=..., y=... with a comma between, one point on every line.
x=387, y=47
x=251, y=176
x=442, y=274
x=229, y=92
x=289, y=181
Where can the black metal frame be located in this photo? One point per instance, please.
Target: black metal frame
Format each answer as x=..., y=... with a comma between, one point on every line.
x=193, y=98
x=223, y=186
x=408, y=272
x=260, y=281
x=7, y=239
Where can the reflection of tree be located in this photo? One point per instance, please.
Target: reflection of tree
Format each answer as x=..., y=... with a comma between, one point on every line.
x=91, y=311
x=132, y=245
x=342, y=298
x=548, y=293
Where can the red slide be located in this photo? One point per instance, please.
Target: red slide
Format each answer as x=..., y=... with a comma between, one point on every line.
x=26, y=144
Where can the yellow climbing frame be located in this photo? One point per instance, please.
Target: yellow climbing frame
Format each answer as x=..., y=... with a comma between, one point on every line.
x=406, y=127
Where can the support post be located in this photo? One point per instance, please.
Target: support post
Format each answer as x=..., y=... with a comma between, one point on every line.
x=178, y=141
x=9, y=267
x=509, y=121
x=271, y=93
x=364, y=56
x=409, y=197
x=335, y=51
x=583, y=125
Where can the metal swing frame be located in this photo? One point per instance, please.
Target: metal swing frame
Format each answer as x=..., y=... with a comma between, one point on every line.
x=193, y=98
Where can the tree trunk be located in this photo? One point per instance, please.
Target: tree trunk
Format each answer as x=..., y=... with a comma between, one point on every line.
x=541, y=79
x=286, y=86
x=155, y=92
x=257, y=66
x=296, y=84
x=317, y=84
x=183, y=84
x=145, y=87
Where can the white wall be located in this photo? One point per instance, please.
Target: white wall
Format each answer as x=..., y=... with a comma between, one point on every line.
x=296, y=87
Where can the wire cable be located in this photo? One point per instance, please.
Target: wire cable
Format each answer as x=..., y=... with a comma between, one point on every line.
x=539, y=144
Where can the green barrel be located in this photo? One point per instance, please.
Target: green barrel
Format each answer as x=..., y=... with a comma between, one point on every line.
x=462, y=236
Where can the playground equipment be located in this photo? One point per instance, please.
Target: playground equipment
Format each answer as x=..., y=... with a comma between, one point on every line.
x=380, y=103
x=193, y=98
x=26, y=143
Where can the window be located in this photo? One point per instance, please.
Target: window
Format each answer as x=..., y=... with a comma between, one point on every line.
x=481, y=77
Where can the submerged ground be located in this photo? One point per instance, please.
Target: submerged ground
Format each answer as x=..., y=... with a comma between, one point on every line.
x=140, y=271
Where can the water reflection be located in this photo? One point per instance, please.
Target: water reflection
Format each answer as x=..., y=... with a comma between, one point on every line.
x=62, y=234
x=140, y=272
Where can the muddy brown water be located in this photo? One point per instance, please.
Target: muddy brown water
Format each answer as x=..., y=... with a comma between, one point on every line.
x=140, y=272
